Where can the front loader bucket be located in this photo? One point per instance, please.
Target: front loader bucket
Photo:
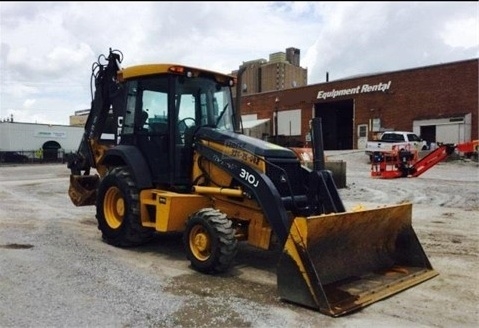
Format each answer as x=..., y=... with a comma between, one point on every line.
x=82, y=190
x=341, y=262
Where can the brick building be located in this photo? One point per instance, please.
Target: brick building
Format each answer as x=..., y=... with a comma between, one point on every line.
x=438, y=102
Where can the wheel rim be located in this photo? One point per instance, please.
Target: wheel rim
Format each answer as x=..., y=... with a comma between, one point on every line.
x=114, y=207
x=200, y=243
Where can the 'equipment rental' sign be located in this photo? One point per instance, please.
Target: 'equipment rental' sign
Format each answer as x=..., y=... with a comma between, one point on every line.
x=365, y=88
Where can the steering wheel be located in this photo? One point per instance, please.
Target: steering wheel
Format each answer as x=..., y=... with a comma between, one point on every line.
x=183, y=125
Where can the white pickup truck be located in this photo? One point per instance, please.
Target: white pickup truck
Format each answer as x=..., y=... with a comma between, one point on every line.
x=395, y=140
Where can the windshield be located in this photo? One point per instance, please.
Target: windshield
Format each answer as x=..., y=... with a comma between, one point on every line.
x=413, y=137
x=206, y=101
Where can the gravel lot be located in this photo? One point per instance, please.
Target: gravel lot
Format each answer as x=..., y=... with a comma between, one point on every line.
x=55, y=271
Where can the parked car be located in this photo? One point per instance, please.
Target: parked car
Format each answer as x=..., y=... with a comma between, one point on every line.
x=398, y=140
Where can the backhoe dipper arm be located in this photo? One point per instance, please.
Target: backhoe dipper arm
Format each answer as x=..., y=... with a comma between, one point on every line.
x=106, y=92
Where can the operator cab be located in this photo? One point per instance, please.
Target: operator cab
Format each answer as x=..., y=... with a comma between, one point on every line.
x=163, y=111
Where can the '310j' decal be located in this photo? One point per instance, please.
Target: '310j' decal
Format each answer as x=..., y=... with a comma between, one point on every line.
x=250, y=178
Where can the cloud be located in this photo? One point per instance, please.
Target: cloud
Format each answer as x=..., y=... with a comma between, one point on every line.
x=19, y=90
x=47, y=49
x=461, y=33
x=29, y=103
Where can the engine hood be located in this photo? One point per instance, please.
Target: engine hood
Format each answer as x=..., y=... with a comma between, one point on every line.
x=253, y=145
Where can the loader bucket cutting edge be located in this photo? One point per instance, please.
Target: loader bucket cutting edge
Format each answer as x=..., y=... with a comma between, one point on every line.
x=82, y=190
x=339, y=263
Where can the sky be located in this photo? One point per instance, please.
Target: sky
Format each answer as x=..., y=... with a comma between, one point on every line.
x=47, y=48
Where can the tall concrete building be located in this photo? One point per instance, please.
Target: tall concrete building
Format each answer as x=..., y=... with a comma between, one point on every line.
x=281, y=71
x=80, y=117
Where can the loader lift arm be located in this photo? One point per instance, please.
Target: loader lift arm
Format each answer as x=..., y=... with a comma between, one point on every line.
x=320, y=197
x=263, y=189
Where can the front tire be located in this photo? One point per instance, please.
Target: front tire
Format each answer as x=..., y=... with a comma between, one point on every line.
x=210, y=241
x=118, y=210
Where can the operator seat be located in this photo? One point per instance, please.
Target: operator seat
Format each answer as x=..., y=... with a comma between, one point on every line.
x=160, y=128
x=189, y=135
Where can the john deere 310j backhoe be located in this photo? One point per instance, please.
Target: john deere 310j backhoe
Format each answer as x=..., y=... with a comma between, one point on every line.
x=168, y=155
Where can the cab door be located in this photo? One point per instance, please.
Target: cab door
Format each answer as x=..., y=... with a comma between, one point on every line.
x=153, y=134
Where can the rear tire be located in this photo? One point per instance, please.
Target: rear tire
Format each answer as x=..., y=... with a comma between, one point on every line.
x=210, y=241
x=118, y=210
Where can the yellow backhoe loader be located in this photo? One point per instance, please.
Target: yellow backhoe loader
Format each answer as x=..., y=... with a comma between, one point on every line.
x=169, y=156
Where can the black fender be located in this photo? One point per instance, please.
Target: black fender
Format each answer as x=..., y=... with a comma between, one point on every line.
x=131, y=157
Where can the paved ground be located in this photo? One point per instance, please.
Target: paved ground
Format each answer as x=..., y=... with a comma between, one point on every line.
x=56, y=272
